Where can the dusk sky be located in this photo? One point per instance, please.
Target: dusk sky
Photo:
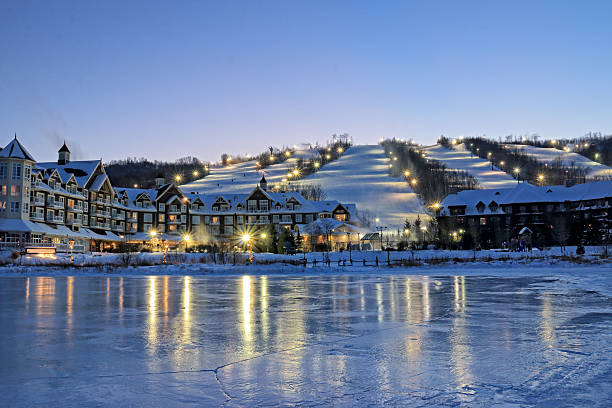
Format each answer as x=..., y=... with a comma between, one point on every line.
x=165, y=80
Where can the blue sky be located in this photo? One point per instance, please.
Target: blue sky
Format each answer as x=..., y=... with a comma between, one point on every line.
x=169, y=79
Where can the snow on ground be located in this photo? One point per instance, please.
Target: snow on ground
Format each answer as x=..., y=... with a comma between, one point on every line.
x=461, y=158
x=535, y=339
x=243, y=177
x=361, y=176
x=549, y=154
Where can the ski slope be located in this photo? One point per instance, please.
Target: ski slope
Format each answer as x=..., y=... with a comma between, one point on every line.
x=361, y=176
x=243, y=177
x=461, y=158
x=549, y=154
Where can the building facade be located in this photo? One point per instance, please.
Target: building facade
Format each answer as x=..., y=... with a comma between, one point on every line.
x=58, y=202
x=554, y=215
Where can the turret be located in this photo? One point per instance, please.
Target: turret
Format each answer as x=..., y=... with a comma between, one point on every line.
x=263, y=183
x=63, y=155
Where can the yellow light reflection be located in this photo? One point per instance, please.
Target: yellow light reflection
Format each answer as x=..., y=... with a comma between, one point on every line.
x=27, y=299
x=186, y=298
x=45, y=295
x=152, y=311
x=547, y=325
x=246, y=306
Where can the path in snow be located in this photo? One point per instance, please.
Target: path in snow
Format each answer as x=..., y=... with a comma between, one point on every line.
x=243, y=177
x=361, y=176
x=461, y=158
x=549, y=154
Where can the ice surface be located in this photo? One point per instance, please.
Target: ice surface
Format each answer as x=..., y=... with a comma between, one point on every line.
x=362, y=340
x=460, y=158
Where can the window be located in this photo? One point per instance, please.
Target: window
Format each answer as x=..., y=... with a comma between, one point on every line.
x=290, y=206
x=3, y=170
x=26, y=208
x=183, y=218
x=275, y=218
x=161, y=217
x=239, y=219
x=215, y=220
x=147, y=227
x=341, y=217
x=195, y=219
x=148, y=217
x=206, y=219
x=483, y=221
x=229, y=230
x=183, y=208
x=15, y=206
x=27, y=172
x=308, y=218
x=252, y=205
x=15, y=191
x=298, y=218
x=263, y=205
x=162, y=207
x=16, y=175
x=228, y=220
x=3, y=189
x=286, y=218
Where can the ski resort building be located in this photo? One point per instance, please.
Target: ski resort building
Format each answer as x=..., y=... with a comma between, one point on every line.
x=73, y=202
x=554, y=215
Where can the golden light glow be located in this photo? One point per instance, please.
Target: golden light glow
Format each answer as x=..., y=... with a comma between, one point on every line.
x=407, y=173
x=316, y=165
x=287, y=153
x=296, y=172
x=340, y=150
x=186, y=237
x=196, y=173
x=501, y=163
x=245, y=239
x=540, y=177
x=153, y=233
x=264, y=235
x=413, y=181
x=177, y=177
x=135, y=185
x=517, y=170
x=328, y=156
x=377, y=219
x=435, y=205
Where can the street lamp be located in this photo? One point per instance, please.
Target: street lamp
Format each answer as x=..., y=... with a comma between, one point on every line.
x=186, y=239
x=177, y=178
x=517, y=171
x=71, y=243
x=246, y=239
x=541, y=179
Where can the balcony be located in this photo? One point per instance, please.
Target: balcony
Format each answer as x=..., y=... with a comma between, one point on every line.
x=118, y=216
x=174, y=221
x=37, y=201
x=37, y=217
x=55, y=219
x=257, y=211
x=72, y=221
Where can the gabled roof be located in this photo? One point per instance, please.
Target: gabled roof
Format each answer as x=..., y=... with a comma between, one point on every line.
x=16, y=150
x=82, y=170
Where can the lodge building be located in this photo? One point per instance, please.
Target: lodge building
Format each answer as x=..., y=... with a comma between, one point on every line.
x=554, y=215
x=55, y=202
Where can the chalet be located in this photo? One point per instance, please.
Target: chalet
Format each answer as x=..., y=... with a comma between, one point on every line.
x=555, y=215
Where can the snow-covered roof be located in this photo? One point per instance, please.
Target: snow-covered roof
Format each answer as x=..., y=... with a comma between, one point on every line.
x=16, y=150
x=82, y=170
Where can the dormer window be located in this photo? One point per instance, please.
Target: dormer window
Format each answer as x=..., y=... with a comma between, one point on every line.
x=480, y=206
x=493, y=206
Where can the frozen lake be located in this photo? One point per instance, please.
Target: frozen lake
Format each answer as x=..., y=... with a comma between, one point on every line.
x=365, y=340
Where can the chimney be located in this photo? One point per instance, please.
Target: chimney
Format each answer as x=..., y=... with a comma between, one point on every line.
x=160, y=180
x=63, y=155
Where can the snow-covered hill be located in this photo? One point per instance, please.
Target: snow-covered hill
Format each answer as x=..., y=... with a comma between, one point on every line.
x=460, y=158
x=549, y=154
x=243, y=177
x=361, y=176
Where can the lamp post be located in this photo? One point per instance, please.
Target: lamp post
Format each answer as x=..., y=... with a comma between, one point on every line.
x=186, y=239
x=348, y=236
x=164, y=249
x=71, y=244
x=517, y=171
x=248, y=240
